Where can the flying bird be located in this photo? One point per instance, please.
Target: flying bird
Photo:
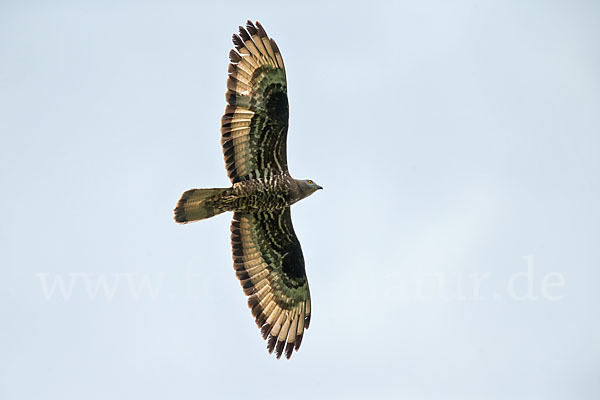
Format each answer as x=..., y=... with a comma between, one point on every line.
x=267, y=256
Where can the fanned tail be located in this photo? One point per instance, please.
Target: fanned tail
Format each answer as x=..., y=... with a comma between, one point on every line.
x=198, y=204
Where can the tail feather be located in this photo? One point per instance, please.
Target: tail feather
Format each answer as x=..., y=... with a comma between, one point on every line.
x=198, y=204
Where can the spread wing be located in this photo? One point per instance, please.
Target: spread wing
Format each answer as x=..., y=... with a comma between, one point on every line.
x=254, y=126
x=269, y=264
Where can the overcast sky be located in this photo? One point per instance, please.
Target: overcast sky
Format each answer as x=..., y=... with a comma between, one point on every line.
x=452, y=255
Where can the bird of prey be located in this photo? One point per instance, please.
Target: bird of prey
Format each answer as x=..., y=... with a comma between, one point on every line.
x=267, y=256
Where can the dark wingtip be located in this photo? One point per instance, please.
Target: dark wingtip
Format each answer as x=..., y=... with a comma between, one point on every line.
x=279, y=349
x=271, y=344
x=257, y=312
x=274, y=45
x=265, y=331
x=244, y=34
x=289, y=347
x=251, y=28
x=260, y=320
x=237, y=41
x=252, y=300
x=307, y=321
x=234, y=56
x=298, y=341
x=261, y=30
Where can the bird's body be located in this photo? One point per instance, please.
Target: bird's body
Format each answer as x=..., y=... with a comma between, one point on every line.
x=272, y=193
x=267, y=255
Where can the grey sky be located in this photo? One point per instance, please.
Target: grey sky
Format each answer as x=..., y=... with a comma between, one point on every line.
x=458, y=146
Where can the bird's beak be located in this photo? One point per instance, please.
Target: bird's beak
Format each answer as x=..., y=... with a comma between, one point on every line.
x=319, y=187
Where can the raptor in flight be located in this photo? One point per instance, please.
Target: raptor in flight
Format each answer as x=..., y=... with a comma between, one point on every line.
x=267, y=256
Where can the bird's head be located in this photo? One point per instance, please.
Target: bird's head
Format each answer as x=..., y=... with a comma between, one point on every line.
x=308, y=187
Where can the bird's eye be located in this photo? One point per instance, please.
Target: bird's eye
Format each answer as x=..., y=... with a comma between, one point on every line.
x=310, y=182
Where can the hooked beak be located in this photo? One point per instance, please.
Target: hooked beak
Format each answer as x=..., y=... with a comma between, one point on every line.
x=319, y=187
